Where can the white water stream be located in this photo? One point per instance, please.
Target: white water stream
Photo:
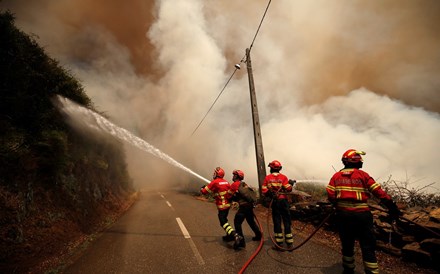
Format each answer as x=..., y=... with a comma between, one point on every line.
x=97, y=122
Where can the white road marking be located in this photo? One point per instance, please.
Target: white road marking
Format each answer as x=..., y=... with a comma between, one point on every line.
x=191, y=242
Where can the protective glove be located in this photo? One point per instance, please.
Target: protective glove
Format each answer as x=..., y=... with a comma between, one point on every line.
x=393, y=210
x=270, y=194
x=292, y=182
x=203, y=186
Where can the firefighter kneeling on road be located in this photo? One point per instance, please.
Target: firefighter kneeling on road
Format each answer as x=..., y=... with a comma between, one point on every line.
x=348, y=190
x=274, y=186
x=220, y=189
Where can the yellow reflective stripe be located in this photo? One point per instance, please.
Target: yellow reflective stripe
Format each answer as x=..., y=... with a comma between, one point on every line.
x=278, y=235
x=276, y=184
x=352, y=205
x=359, y=195
x=226, y=225
x=349, y=188
x=289, y=240
x=330, y=187
x=207, y=189
x=289, y=235
x=348, y=262
x=371, y=267
x=374, y=186
x=221, y=193
x=224, y=205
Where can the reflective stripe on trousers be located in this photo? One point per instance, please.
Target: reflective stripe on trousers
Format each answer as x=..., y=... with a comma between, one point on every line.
x=371, y=268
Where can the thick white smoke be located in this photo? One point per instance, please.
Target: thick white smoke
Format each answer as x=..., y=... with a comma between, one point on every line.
x=329, y=76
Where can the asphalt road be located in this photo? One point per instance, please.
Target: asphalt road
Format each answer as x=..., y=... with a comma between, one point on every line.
x=172, y=232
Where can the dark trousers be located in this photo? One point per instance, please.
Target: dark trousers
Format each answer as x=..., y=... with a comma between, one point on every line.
x=223, y=216
x=246, y=212
x=281, y=213
x=357, y=225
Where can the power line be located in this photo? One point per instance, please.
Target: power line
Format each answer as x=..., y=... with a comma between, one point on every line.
x=214, y=101
x=235, y=70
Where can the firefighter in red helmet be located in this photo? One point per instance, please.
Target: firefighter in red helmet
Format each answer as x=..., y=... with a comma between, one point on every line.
x=246, y=199
x=275, y=186
x=220, y=189
x=349, y=190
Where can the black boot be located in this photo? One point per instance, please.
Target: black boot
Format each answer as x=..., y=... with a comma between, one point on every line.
x=238, y=241
x=228, y=238
x=257, y=237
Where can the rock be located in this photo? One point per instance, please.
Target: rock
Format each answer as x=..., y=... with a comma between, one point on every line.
x=434, y=215
x=430, y=245
x=413, y=253
x=390, y=249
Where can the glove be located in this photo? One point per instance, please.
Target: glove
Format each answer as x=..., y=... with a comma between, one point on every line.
x=270, y=194
x=292, y=182
x=202, y=187
x=393, y=210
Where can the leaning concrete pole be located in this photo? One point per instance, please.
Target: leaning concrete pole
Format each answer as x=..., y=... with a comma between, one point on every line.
x=261, y=166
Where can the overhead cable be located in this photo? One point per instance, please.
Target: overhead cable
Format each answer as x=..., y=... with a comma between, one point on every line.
x=235, y=70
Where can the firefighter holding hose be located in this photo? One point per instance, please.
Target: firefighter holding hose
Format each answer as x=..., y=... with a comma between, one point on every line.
x=348, y=190
x=275, y=186
x=220, y=189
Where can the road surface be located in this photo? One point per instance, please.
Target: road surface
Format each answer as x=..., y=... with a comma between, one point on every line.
x=172, y=232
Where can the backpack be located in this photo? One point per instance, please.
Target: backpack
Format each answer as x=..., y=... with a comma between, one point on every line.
x=247, y=193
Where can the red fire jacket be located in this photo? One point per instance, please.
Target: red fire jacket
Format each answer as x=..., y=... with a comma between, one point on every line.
x=220, y=189
x=278, y=183
x=349, y=189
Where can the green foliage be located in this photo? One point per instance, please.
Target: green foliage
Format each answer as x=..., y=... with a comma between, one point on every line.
x=316, y=190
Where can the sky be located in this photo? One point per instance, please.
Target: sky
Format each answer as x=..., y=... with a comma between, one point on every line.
x=329, y=76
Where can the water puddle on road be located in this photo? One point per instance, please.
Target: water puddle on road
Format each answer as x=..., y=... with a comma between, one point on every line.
x=95, y=121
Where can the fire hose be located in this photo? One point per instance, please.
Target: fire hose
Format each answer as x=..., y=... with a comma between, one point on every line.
x=248, y=262
x=311, y=235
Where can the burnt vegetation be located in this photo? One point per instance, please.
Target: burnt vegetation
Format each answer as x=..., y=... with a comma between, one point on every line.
x=55, y=185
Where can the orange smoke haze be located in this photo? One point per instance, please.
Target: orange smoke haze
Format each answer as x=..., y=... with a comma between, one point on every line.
x=329, y=76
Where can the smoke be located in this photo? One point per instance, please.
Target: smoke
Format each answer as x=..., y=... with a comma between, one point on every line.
x=329, y=76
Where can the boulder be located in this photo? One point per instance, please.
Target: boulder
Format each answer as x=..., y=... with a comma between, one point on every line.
x=431, y=245
x=413, y=253
x=434, y=215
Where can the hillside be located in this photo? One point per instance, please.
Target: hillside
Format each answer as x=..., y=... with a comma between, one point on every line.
x=55, y=184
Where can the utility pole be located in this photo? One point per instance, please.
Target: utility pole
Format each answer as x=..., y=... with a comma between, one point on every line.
x=261, y=166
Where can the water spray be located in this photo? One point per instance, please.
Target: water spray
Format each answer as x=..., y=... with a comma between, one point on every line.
x=99, y=123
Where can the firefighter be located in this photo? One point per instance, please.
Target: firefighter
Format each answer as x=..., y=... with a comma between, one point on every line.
x=244, y=195
x=220, y=189
x=348, y=190
x=275, y=186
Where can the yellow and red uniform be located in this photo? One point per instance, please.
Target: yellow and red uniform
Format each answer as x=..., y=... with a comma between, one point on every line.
x=277, y=183
x=350, y=188
x=274, y=186
x=220, y=189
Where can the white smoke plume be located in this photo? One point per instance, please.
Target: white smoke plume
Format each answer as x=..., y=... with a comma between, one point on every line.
x=329, y=76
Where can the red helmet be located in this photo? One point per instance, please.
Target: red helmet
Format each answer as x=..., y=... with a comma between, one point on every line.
x=238, y=173
x=352, y=156
x=275, y=165
x=218, y=173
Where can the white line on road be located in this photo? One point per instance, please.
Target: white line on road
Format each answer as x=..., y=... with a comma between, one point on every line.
x=183, y=228
x=191, y=242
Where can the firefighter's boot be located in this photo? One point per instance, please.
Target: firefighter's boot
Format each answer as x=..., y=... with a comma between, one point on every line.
x=238, y=241
x=257, y=237
x=228, y=238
